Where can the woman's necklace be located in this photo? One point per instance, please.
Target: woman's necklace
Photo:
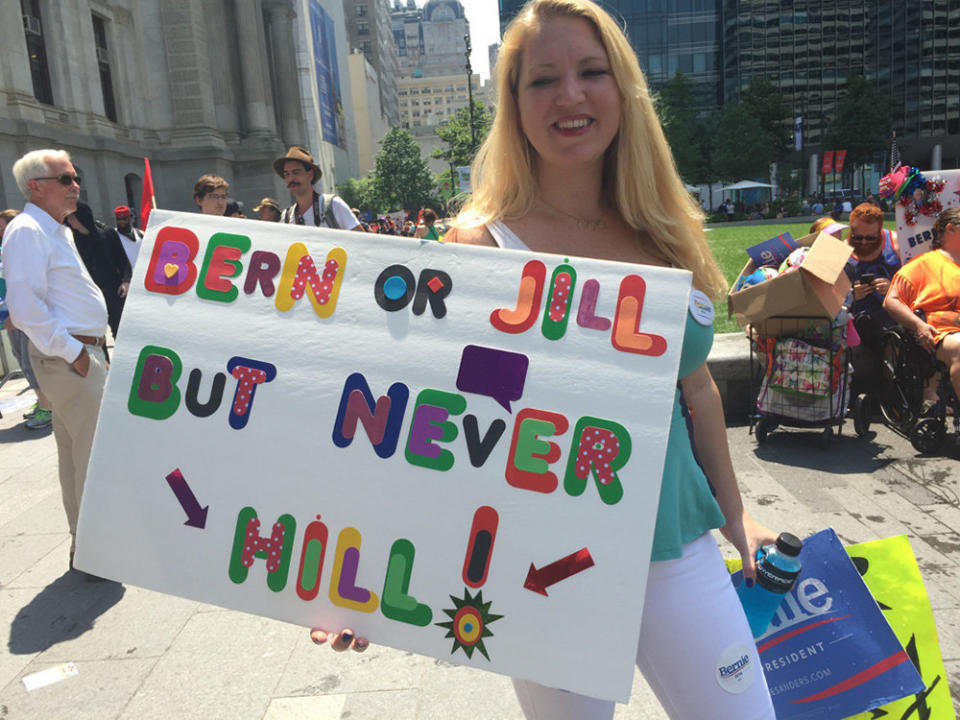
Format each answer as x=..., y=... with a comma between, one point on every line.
x=590, y=224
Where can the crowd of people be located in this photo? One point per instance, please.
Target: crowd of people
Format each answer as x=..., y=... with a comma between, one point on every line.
x=211, y=193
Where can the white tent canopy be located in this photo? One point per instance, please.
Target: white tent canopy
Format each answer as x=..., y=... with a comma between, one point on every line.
x=747, y=185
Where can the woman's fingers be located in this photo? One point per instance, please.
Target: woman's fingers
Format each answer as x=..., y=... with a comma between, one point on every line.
x=339, y=642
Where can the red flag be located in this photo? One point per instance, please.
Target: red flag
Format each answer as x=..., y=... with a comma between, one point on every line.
x=827, y=162
x=147, y=200
x=841, y=156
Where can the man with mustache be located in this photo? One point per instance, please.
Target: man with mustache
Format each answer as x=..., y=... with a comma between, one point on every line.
x=300, y=173
x=52, y=298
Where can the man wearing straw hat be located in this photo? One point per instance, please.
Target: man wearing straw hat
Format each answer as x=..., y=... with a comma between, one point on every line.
x=300, y=174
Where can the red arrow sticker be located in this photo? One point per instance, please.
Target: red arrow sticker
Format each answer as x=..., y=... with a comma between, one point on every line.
x=540, y=580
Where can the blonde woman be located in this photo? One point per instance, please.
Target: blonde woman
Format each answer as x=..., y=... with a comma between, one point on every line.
x=576, y=163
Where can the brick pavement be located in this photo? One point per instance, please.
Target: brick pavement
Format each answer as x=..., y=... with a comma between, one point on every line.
x=142, y=655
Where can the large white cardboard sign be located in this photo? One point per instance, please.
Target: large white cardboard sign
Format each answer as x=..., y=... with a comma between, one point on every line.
x=452, y=450
x=916, y=216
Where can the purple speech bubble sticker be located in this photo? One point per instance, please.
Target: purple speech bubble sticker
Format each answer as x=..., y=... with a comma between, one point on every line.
x=495, y=373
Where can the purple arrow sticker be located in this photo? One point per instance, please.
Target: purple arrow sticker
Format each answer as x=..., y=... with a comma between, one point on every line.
x=196, y=515
x=495, y=373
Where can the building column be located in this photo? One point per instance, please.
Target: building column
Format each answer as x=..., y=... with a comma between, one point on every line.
x=813, y=174
x=280, y=21
x=253, y=68
x=936, y=157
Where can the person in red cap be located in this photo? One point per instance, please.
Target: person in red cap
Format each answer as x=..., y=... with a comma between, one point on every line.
x=130, y=236
x=300, y=173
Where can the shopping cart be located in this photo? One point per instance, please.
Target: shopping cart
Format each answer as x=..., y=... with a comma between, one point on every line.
x=800, y=368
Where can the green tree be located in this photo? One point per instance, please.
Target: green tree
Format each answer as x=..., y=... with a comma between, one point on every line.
x=401, y=176
x=765, y=103
x=675, y=104
x=360, y=193
x=461, y=146
x=741, y=150
x=860, y=123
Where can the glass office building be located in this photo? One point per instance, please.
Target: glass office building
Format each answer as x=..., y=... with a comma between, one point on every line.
x=808, y=49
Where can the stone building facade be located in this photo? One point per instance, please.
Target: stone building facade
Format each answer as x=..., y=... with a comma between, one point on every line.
x=221, y=86
x=369, y=30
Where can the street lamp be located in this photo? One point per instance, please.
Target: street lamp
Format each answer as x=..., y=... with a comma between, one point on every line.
x=473, y=137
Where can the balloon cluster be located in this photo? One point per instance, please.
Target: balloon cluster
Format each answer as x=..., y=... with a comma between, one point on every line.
x=915, y=193
x=766, y=272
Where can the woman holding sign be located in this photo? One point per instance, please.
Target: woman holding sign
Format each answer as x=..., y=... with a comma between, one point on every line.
x=576, y=164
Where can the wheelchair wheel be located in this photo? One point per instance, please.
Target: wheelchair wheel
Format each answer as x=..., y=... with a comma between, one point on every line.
x=928, y=435
x=763, y=428
x=861, y=414
x=901, y=387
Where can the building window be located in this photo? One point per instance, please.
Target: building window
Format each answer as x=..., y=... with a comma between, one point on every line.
x=39, y=70
x=363, y=28
x=103, y=63
x=361, y=10
x=367, y=48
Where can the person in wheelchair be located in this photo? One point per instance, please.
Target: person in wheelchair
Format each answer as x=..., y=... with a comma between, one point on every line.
x=931, y=283
x=875, y=260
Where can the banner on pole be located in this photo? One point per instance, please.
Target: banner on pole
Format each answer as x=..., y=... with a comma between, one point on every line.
x=827, y=162
x=453, y=450
x=840, y=157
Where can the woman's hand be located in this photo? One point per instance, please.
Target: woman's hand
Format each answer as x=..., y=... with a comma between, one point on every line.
x=343, y=640
x=748, y=536
x=926, y=336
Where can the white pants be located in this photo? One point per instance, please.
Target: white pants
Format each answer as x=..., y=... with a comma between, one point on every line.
x=693, y=639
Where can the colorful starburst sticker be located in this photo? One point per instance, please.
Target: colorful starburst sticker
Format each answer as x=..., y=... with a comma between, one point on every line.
x=468, y=625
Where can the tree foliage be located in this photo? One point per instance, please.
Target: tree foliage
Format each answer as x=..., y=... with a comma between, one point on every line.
x=860, y=123
x=765, y=103
x=675, y=104
x=360, y=193
x=460, y=145
x=741, y=149
x=401, y=176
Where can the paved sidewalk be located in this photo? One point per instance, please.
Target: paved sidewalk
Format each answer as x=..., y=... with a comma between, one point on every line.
x=142, y=655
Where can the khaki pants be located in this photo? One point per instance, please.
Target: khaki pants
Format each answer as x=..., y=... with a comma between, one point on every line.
x=76, y=405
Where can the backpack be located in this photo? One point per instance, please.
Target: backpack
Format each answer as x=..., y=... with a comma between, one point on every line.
x=326, y=212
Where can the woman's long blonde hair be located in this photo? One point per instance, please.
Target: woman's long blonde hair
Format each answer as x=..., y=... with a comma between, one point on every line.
x=640, y=178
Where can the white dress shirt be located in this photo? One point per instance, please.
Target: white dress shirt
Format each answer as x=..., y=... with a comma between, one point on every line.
x=50, y=294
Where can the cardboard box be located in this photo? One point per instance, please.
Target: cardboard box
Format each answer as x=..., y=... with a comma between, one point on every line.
x=816, y=290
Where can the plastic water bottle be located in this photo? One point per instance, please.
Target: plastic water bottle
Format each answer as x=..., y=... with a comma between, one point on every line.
x=777, y=569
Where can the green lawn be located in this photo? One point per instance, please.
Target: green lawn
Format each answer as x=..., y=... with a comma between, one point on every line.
x=730, y=245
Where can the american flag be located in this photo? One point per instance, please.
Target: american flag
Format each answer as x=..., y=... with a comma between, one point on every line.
x=894, y=153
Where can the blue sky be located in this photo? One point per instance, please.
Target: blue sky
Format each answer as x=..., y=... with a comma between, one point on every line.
x=484, y=17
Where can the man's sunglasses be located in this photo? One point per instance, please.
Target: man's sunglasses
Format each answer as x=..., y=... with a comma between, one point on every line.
x=66, y=179
x=863, y=238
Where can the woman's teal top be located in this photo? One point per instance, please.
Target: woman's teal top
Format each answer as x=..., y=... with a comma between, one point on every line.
x=687, y=506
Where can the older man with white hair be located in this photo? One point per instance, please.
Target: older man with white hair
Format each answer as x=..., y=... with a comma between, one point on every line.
x=52, y=298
